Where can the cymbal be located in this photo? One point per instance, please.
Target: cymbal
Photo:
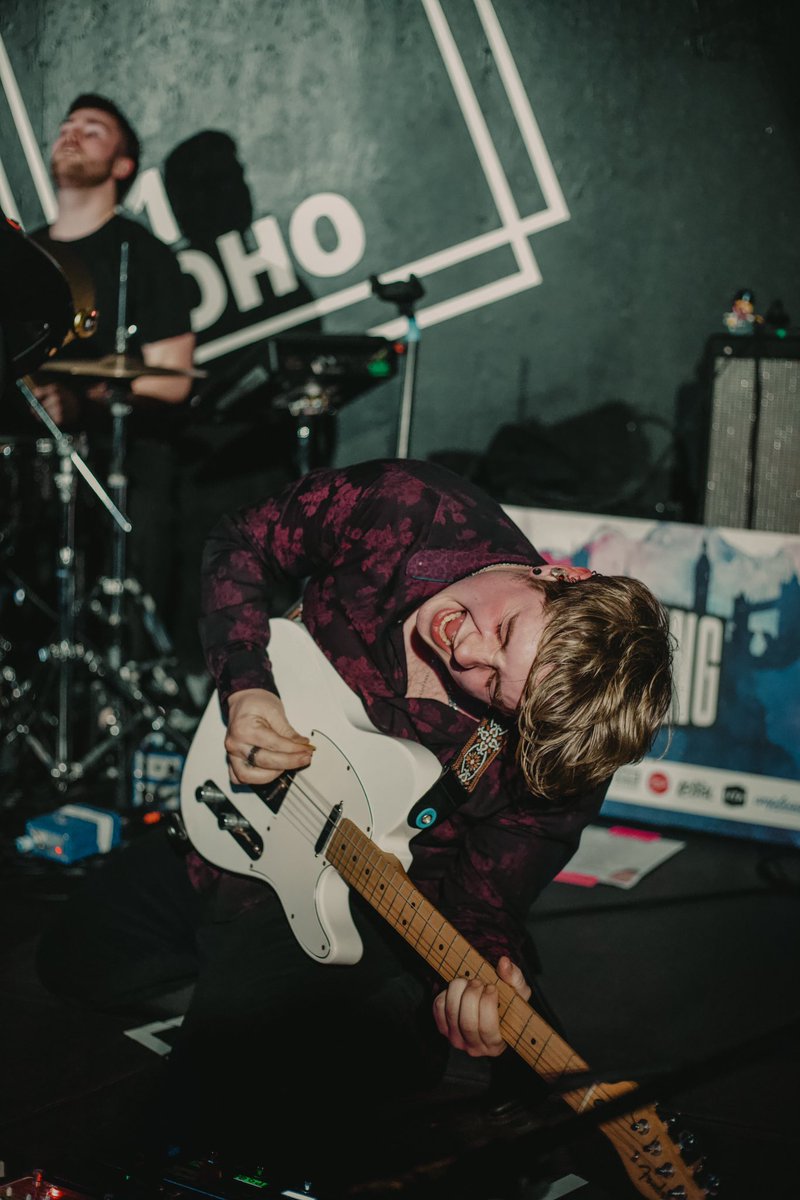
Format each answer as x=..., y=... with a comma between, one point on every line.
x=112, y=366
x=83, y=322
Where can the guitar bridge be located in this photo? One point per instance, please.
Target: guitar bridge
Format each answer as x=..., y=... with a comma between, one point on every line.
x=273, y=794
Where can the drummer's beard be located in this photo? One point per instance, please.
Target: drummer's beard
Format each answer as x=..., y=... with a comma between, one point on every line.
x=68, y=169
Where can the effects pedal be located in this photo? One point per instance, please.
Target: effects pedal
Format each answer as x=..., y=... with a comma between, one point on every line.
x=37, y=1186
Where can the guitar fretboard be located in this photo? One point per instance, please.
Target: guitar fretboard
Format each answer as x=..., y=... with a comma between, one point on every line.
x=641, y=1139
x=384, y=884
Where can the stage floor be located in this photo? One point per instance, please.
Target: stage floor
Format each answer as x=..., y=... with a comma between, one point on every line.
x=685, y=983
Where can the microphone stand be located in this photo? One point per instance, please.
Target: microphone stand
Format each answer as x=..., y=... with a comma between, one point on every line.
x=404, y=293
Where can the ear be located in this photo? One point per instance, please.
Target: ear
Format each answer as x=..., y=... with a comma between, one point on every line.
x=123, y=167
x=570, y=574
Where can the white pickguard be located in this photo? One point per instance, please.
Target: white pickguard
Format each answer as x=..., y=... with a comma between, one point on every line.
x=375, y=778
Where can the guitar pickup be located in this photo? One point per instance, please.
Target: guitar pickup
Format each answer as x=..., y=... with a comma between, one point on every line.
x=328, y=828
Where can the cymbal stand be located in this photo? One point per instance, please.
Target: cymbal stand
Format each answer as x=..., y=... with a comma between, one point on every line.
x=118, y=585
x=65, y=652
x=118, y=488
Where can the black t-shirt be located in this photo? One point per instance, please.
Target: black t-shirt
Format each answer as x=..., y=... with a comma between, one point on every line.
x=156, y=295
x=155, y=302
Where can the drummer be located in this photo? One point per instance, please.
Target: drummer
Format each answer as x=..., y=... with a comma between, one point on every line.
x=94, y=161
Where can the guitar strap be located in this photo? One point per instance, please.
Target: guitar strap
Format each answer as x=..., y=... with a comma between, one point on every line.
x=460, y=778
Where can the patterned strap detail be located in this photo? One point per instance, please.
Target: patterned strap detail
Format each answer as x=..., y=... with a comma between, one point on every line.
x=479, y=752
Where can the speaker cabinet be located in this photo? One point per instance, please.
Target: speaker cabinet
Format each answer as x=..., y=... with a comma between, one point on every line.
x=752, y=475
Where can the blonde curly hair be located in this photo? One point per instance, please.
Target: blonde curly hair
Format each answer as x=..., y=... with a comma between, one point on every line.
x=600, y=686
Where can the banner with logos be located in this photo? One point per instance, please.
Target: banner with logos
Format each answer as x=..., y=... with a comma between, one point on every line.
x=731, y=760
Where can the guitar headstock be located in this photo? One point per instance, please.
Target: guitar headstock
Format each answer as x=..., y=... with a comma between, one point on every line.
x=661, y=1159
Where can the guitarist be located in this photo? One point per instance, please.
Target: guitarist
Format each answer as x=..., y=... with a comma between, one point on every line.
x=530, y=683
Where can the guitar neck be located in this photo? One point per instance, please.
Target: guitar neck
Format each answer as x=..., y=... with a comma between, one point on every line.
x=383, y=883
x=641, y=1139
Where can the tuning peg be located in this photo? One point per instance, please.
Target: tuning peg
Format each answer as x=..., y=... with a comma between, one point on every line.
x=709, y=1181
x=688, y=1145
x=667, y=1115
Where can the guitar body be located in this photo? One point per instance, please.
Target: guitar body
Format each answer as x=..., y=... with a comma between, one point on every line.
x=375, y=779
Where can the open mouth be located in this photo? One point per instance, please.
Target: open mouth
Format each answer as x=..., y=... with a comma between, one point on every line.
x=442, y=629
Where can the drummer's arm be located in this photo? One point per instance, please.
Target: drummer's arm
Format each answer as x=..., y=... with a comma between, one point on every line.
x=63, y=399
x=61, y=402
x=176, y=353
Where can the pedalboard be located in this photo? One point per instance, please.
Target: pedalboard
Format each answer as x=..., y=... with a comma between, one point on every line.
x=186, y=1180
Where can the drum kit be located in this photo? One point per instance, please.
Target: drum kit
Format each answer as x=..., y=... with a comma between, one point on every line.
x=76, y=706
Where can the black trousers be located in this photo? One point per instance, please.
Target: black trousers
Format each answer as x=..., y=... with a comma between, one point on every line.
x=277, y=1054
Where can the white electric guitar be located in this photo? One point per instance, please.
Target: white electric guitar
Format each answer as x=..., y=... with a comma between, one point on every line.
x=342, y=823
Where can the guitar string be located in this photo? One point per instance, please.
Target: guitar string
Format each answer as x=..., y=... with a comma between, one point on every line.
x=303, y=800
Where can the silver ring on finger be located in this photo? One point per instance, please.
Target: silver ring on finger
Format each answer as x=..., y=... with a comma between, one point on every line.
x=251, y=756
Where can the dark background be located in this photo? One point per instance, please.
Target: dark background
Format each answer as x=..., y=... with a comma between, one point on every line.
x=672, y=132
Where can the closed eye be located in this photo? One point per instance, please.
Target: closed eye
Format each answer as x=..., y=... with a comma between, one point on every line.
x=495, y=684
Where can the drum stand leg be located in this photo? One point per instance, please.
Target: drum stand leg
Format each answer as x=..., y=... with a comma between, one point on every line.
x=66, y=655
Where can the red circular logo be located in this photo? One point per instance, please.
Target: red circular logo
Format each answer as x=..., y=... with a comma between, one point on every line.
x=658, y=783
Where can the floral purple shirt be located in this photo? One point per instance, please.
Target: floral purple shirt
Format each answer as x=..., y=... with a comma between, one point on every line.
x=367, y=545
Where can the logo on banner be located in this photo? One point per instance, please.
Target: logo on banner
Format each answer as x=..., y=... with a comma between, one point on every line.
x=697, y=789
x=658, y=783
x=782, y=803
x=734, y=795
x=628, y=776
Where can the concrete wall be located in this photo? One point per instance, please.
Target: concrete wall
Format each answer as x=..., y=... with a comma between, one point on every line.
x=580, y=186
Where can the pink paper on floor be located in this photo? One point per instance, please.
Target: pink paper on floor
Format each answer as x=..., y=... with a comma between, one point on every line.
x=618, y=856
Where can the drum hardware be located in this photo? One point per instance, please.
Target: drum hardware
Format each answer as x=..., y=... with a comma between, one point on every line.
x=12, y=689
x=120, y=699
x=118, y=585
x=404, y=293
x=22, y=593
x=116, y=368
x=42, y=315
x=121, y=703
x=312, y=375
x=17, y=594
x=35, y=302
